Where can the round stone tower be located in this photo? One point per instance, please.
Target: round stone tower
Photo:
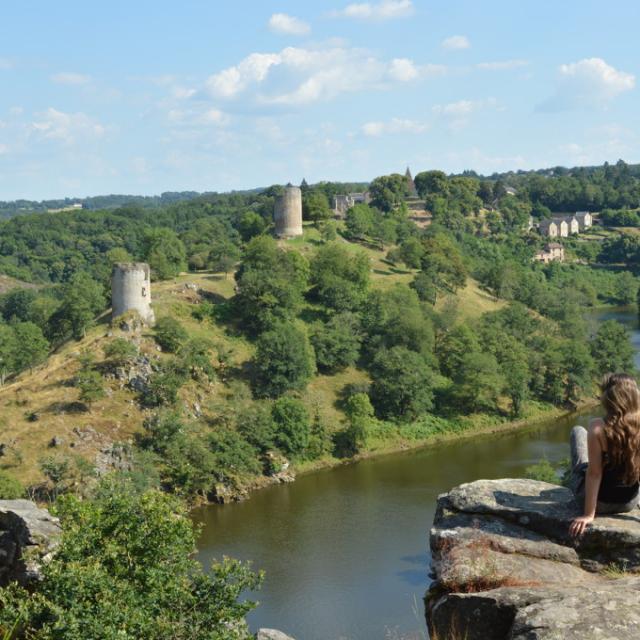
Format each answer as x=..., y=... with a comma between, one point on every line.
x=287, y=213
x=131, y=290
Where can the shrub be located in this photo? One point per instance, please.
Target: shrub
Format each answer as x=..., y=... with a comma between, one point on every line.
x=120, y=351
x=125, y=569
x=10, y=488
x=170, y=334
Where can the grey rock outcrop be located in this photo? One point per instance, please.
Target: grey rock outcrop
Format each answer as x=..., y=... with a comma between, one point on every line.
x=28, y=537
x=506, y=568
x=272, y=634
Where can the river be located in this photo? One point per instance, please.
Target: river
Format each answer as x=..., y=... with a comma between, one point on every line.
x=345, y=550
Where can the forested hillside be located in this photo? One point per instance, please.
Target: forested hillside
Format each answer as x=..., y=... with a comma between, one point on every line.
x=365, y=334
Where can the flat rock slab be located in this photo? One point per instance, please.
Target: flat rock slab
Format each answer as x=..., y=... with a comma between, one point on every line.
x=505, y=567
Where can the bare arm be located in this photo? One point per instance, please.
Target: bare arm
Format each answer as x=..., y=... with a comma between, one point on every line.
x=592, y=480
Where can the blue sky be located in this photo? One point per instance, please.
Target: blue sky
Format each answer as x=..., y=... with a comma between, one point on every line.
x=144, y=97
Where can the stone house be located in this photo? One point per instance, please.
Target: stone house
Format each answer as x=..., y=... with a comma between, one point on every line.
x=553, y=251
x=342, y=203
x=585, y=219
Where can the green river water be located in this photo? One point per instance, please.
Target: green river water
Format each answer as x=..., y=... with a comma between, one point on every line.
x=345, y=550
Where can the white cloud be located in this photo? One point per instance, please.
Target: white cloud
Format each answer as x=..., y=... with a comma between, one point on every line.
x=297, y=76
x=385, y=10
x=455, y=43
x=66, y=127
x=70, y=78
x=5, y=63
x=4, y=149
x=590, y=82
x=253, y=69
x=190, y=117
x=502, y=65
x=394, y=126
x=288, y=25
x=463, y=107
x=403, y=69
x=458, y=114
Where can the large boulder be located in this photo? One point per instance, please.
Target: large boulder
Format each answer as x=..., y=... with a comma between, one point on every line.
x=272, y=634
x=28, y=537
x=506, y=568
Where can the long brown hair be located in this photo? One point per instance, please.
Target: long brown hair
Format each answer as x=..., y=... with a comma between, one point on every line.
x=621, y=401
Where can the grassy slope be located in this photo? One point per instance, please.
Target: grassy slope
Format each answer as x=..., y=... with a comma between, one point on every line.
x=48, y=393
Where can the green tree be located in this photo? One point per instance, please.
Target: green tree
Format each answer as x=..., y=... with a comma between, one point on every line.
x=360, y=221
x=514, y=365
x=328, y=231
x=402, y=385
x=223, y=256
x=411, y=252
x=315, y=206
x=8, y=352
x=395, y=317
x=125, y=569
x=478, y=382
x=454, y=346
x=251, y=224
x=89, y=382
x=432, y=183
x=611, y=348
x=337, y=343
x=387, y=192
x=292, y=425
x=120, y=351
x=340, y=278
x=284, y=360
x=442, y=262
x=270, y=284
x=578, y=369
x=165, y=253
x=170, y=334
x=360, y=414
x=32, y=347
x=82, y=300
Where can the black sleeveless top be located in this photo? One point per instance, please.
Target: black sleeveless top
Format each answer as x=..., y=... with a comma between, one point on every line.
x=612, y=489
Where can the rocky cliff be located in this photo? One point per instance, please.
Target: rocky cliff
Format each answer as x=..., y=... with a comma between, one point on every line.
x=505, y=567
x=28, y=535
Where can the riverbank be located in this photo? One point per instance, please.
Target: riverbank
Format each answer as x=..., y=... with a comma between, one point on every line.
x=387, y=438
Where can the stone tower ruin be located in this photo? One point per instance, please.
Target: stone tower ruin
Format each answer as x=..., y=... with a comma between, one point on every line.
x=287, y=213
x=131, y=290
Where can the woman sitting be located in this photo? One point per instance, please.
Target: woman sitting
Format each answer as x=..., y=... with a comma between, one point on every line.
x=605, y=461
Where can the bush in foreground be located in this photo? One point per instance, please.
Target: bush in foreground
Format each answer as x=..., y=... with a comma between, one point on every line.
x=125, y=570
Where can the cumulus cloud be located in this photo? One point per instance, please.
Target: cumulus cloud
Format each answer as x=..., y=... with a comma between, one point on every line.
x=70, y=78
x=288, y=25
x=502, y=65
x=455, y=43
x=458, y=114
x=588, y=83
x=385, y=10
x=298, y=76
x=394, y=126
x=66, y=127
